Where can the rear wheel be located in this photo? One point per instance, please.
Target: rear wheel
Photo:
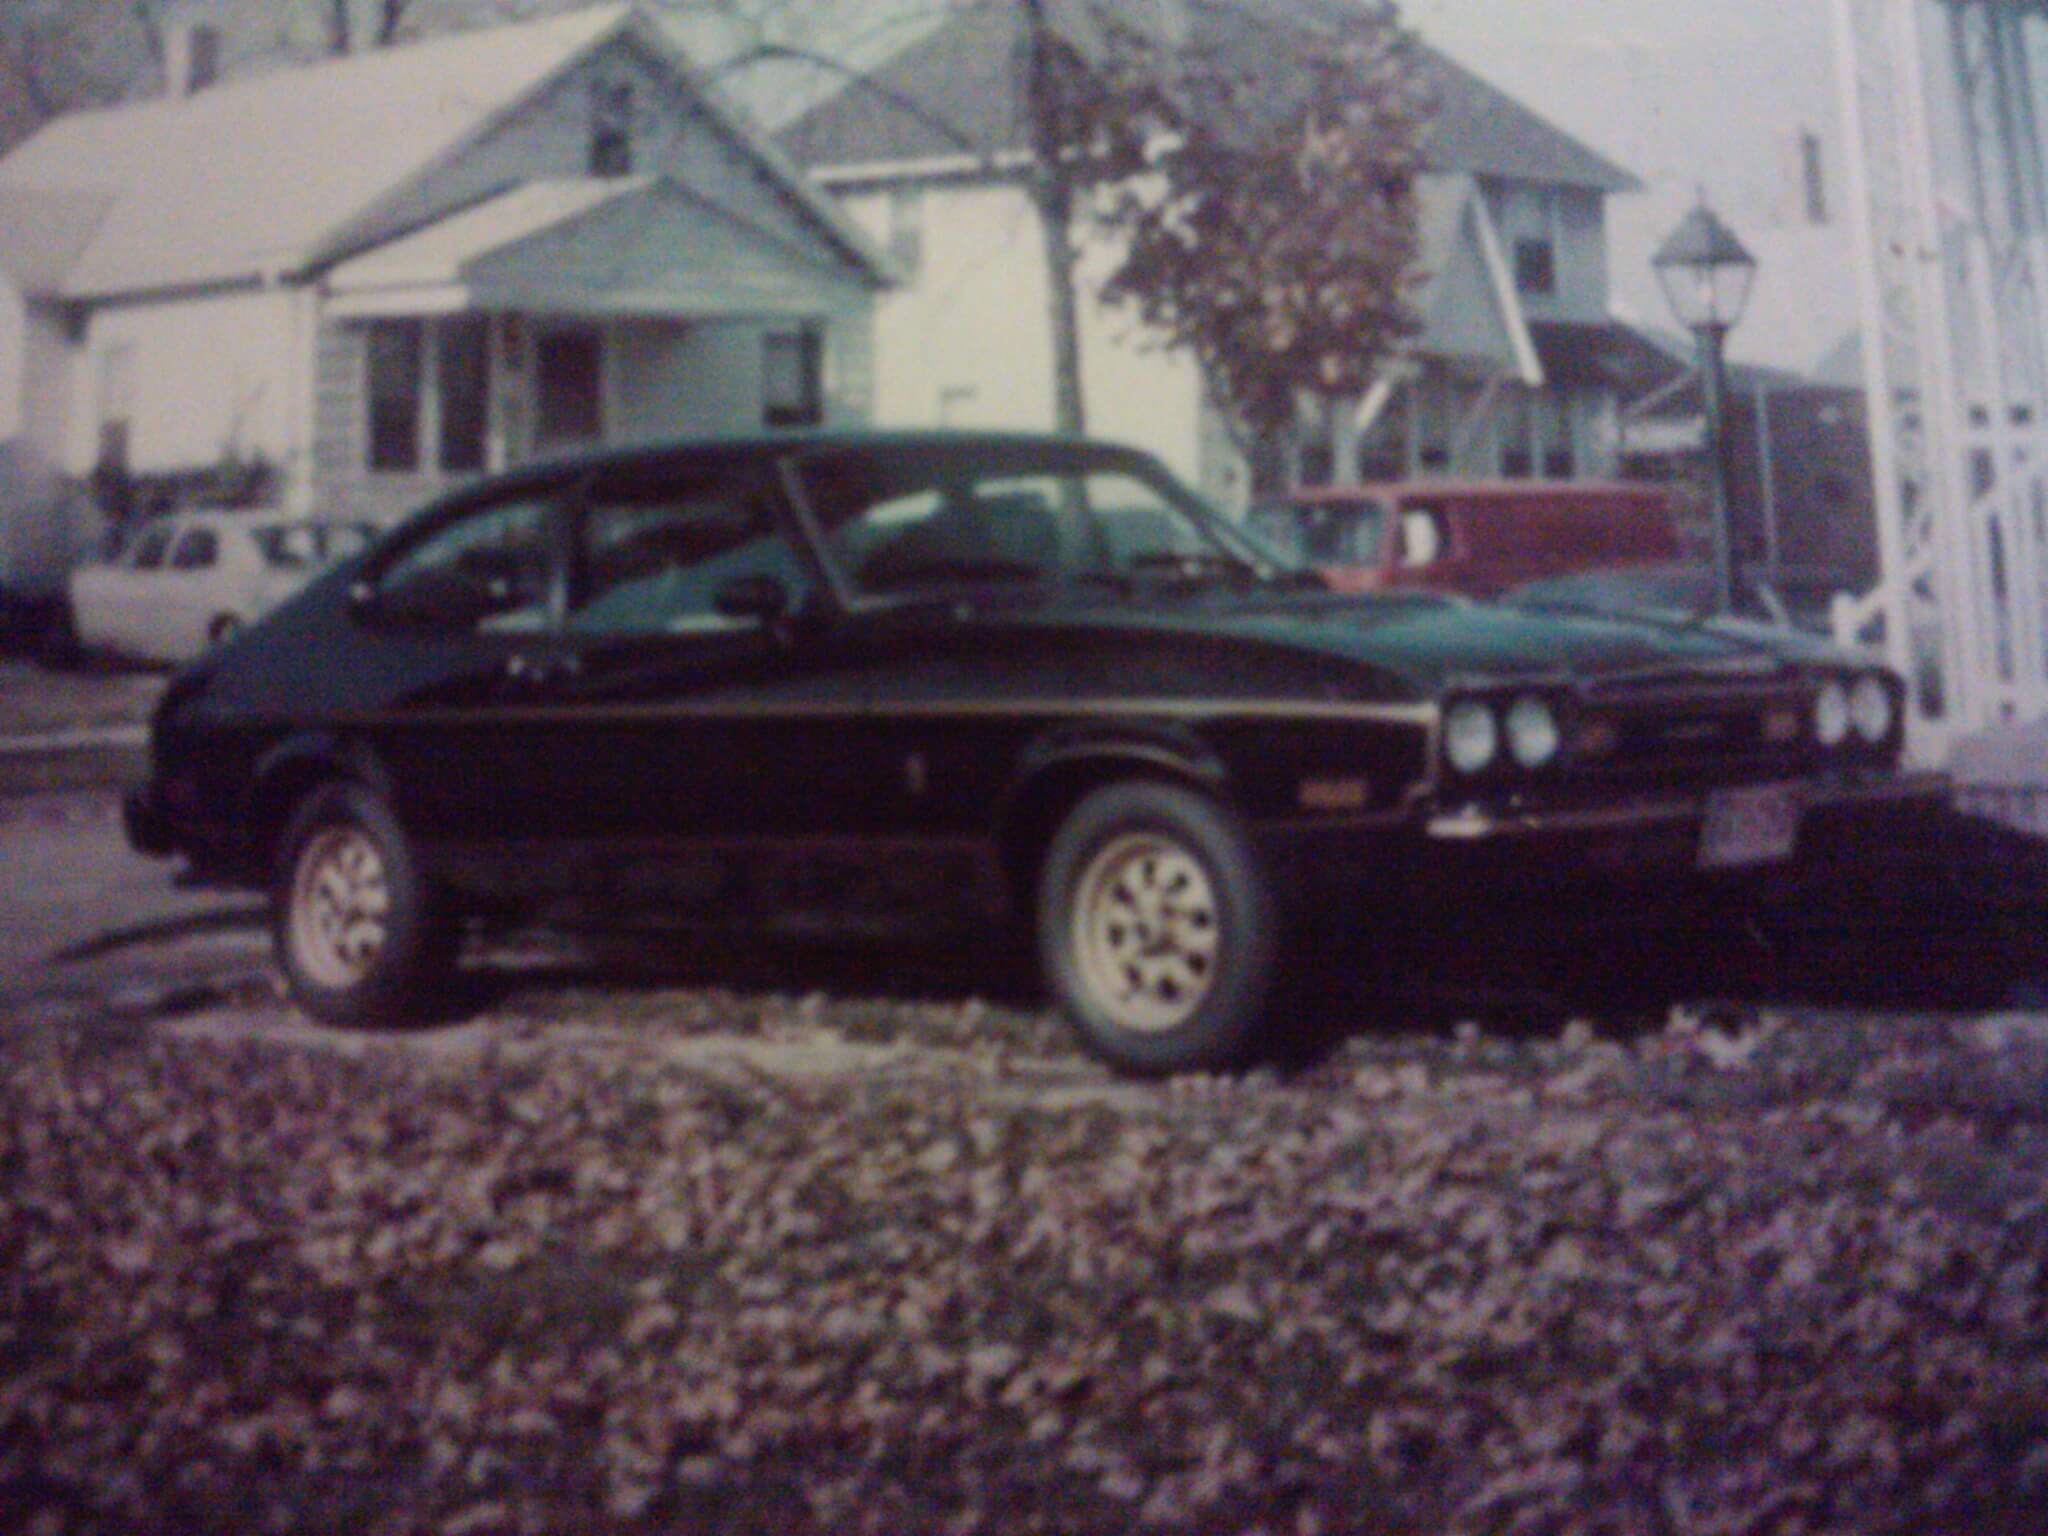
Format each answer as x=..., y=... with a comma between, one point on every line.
x=360, y=935
x=1156, y=929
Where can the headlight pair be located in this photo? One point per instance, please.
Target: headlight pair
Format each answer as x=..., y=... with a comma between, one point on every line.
x=1861, y=706
x=1475, y=731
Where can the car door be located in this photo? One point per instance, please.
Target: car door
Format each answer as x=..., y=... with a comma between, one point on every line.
x=108, y=601
x=687, y=730
x=453, y=617
x=185, y=596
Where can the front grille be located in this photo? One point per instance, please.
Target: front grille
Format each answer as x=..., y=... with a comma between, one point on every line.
x=1669, y=737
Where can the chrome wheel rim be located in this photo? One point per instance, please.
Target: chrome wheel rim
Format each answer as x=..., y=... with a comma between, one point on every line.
x=341, y=902
x=1146, y=932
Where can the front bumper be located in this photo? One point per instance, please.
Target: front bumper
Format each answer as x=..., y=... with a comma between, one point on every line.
x=146, y=821
x=1662, y=814
x=1855, y=836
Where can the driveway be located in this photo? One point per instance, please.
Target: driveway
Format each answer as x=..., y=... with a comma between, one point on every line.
x=87, y=923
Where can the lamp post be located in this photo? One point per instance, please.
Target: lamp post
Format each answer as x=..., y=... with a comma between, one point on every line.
x=1706, y=274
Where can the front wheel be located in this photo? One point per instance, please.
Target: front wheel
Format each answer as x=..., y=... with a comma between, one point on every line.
x=359, y=933
x=1156, y=929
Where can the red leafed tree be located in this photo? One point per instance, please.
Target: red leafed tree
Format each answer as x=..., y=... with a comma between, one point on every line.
x=1272, y=231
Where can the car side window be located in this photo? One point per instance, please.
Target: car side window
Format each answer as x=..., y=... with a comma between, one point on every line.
x=197, y=551
x=654, y=554
x=150, y=547
x=1422, y=536
x=487, y=572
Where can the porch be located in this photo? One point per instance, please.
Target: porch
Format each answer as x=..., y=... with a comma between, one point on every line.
x=567, y=315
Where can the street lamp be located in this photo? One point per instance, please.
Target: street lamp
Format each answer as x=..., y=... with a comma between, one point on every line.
x=1705, y=274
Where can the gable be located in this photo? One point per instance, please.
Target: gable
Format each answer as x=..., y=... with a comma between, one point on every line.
x=674, y=136
x=257, y=179
x=1464, y=297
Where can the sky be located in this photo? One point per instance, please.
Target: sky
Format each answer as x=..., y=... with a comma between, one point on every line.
x=1691, y=95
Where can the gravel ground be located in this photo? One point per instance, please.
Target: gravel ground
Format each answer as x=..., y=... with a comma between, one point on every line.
x=746, y=1263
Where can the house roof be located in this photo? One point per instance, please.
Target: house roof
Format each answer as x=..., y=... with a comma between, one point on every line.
x=42, y=234
x=249, y=177
x=955, y=92
x=258, y=177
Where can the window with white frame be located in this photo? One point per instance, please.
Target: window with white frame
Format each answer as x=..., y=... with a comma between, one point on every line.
x=427, y=395
x=611, y=128
x=793, y=377
x=1528, y=218
x=395, y=395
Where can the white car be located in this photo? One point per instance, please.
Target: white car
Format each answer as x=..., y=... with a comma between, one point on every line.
x=183, y=583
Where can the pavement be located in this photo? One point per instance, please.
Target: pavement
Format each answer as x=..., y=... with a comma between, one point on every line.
x=89, y=927
x=67, y=728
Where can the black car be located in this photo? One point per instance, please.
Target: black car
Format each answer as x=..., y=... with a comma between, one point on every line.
x=948, y=679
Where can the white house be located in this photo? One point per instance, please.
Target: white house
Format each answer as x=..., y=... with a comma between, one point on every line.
x=1508, y=377
x=381, y=274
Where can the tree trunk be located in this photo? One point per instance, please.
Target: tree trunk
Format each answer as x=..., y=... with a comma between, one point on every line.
x=1052, y=193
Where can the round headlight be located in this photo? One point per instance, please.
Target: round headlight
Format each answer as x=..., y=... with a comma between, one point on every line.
x=1831, y=714
x=1471, y=736
x=1532, y=732
x=1870, y=708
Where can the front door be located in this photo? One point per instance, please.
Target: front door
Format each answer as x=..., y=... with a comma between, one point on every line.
x=568, y=386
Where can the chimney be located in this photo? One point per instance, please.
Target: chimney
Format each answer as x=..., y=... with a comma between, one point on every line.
x=191, y=57
x=1813, y=185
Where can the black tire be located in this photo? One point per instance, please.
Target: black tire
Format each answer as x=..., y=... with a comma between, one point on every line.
x=223, y=629
x=343, y=863
x=1157, y=929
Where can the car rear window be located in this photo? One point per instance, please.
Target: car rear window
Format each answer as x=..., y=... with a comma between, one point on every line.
x=149, y=546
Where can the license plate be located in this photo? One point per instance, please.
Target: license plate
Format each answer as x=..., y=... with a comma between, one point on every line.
x=1753, y=825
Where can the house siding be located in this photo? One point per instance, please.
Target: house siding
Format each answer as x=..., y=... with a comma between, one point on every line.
x=209, y=375
x=343, y=483
x=966, y=340
x=1574, y=221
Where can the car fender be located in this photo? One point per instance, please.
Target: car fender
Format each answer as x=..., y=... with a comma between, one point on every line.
x=1056, y=768
x=290, y=766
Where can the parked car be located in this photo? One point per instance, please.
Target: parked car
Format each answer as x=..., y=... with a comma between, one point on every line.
x=938, y=680
x=181, y=583
x=1471, y=537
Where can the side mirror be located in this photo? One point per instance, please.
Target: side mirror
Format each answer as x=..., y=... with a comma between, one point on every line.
x=761, y=598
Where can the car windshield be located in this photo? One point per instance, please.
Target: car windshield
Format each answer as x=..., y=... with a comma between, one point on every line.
x=1324, y=532
x=903, y=521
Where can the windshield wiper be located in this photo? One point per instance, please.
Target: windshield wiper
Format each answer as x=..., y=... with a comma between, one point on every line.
x=1200, y=567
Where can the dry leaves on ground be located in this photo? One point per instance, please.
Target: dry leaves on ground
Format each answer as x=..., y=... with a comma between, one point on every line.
x=1784, y=1278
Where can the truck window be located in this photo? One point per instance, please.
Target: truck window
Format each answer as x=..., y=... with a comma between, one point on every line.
x=1422, y=536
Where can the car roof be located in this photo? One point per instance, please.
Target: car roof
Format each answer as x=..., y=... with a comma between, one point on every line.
x=952, y=442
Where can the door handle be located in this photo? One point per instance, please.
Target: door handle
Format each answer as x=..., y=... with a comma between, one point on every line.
x=541, y=668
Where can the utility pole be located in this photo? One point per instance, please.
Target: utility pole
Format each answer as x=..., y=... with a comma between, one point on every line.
x=1051, y=181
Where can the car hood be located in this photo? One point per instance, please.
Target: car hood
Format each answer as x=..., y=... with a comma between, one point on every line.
x=1436, y=642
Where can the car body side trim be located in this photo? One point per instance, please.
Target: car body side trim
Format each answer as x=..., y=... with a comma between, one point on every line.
x=1421, y=716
